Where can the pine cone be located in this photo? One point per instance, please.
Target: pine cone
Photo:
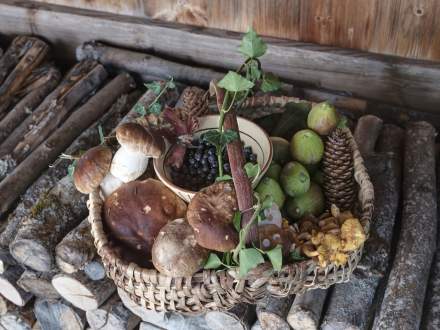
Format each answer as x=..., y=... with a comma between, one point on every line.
x=337, y=166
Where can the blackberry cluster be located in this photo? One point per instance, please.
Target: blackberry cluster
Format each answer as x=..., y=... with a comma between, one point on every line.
x=200, y=166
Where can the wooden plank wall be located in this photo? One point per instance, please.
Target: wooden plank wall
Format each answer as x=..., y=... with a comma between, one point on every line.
x=409, y=28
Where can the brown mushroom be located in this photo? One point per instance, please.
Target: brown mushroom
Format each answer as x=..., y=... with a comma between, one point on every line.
x=137, y=211
x=92, y=171
x=176, y=252
x=210, y=213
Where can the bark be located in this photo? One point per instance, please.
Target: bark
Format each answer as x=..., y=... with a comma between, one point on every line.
x=147, y=66
x=58, y=315
x=51, y=219
x=113, y=315
x=305, y=312
x=18, y=318
x=366, y=133
x=12, y=186
x=239, y=317
x=81, y=291
x=38, y=284
x=9, y=288
x=33, y=57
x=272, y=312
x=404, y=295
x=83, y=79
x=42, y=185
x=47, y=79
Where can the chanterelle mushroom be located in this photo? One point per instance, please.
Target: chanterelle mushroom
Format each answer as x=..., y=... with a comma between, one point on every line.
x=176, y=252
x=92, y=171
x=137, y=211
x=137, y=146
x=210, y=213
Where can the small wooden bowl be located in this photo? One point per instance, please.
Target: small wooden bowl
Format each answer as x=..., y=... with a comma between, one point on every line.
x=251, y=134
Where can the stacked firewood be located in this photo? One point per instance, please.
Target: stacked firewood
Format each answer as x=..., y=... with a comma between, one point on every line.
x=50, y=274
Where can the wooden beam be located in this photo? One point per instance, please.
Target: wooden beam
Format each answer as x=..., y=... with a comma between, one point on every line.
x=395, y=80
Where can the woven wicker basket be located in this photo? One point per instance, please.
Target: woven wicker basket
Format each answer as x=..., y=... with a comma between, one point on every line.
x=217, y=290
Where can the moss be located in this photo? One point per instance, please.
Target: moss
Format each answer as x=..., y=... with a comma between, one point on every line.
x=45, y=201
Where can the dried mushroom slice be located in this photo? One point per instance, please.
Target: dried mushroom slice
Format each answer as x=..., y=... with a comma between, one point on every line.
x=352, y=235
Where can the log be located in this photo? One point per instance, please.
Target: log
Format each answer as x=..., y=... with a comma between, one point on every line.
x=148, y=326
x=33, y=57
x=58, y=315
x=83, y=79
x=95, y=269
x=76, y=249
x=38, y=284
x=352, y=305
x=305, y=312
x=272, y=312
x=112, y=315
x=239, y=317
x=256, y=326
x=48, y=79
x=46, y=153
x=404, y=294
x=147, y=66
x=9, y=288
x=18, y=318
x=366, y=133
x=81, y=291
x=42, y=185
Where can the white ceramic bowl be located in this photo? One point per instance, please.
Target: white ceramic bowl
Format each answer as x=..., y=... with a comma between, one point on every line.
x=251, y=134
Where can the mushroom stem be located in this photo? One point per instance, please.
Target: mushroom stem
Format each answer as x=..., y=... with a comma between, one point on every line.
x=127, y=165
x=109, y=184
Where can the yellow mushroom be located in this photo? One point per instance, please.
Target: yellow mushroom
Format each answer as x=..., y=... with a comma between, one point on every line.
x=352, y=235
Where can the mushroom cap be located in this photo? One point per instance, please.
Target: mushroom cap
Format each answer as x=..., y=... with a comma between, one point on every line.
x=176, y=252
x=136, y=211
x=210, y=213
x=92, y=168
x=135, y=138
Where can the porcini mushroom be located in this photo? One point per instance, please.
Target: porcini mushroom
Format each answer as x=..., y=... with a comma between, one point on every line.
x=92, y=171
x=137, y=146
x=210, y=213
x=137, y=210
x=176, y=252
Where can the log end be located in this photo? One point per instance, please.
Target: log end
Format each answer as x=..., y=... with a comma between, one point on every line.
x=32, y=254
x=302, y=319
x=75, y=292
x=272, y=321
x=10, y=292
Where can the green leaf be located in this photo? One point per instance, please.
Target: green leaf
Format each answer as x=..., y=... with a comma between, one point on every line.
x=343, y=122
x=270, y=83
x=213, y=136
x=154, y=87
x=71, y=168
x=225, y=177
x=252, y=170
x=213, y=262
x=140, y=109
x=254, y=72
x=296, y=256
x=155, y=109
x=237, y=221
x=249, y=259
x=267, y=203
x=252, y=45
x=233, y=82
x=228, y=136
x=276, y=257
x=101, y=134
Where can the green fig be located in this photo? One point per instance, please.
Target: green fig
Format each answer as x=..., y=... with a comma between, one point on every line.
x=274, y=171
x=294, y=179
x=270, y=187
x=307, y=147
x=323, y=118
x=281, y=152
x=311, y=202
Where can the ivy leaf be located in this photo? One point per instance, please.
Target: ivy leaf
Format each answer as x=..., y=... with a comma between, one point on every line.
x=233, y=82
x=267, y=203
x=236, y=220
x=270, y=83
x=213, y=262
x=296, y=256
x=254, y=72
x=140, y=109
x=228, y=136
x=155, y=109
x=213, y=136
x=225, y=177
x=252, y=170
x=252, y=46
x=154, y=87
x=276, y=257
x=101, y=134
x=249, y=259
x=71, y=168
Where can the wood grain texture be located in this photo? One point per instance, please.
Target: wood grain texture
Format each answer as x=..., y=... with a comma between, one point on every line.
x=394, y=80
x=399, y=27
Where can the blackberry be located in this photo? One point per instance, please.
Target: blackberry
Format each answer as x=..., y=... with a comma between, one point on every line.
x=253, y=158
